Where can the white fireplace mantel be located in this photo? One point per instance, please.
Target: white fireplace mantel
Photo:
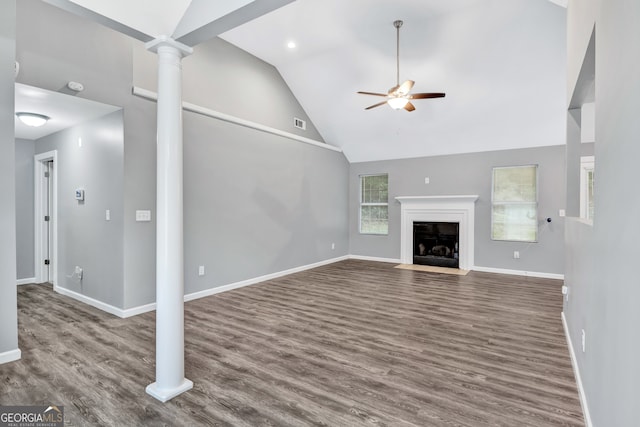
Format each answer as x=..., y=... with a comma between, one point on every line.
x=460, y=209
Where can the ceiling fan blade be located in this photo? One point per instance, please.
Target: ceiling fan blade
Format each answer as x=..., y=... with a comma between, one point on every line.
x=409, y=107
x=405, y=87
x=373, y=93
x=426, y=95
x=376, y=105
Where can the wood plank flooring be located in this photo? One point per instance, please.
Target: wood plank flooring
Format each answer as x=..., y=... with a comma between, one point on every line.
x=349, y=344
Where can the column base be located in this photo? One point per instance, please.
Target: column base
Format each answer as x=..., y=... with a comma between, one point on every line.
x=163, y=394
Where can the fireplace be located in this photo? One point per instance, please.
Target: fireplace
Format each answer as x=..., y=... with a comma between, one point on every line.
x=436, y=243
x=452, y=209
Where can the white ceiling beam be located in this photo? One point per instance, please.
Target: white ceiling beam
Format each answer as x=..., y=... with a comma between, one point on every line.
x=229, y=21
x=201, y=12
x=562, y=3
x=81, y=11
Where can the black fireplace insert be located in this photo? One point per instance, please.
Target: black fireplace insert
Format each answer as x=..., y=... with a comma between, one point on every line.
x=436, y=243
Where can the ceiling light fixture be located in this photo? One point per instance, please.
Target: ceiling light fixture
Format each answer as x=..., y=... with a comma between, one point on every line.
x=399, y=96
x=291, y=45
x=397, y=103
x=32, y=119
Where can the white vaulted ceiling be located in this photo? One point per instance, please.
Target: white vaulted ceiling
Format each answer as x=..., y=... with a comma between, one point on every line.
x=500, y=62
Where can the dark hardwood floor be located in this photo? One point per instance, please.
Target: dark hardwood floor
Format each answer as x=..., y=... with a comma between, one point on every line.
x=348, y=344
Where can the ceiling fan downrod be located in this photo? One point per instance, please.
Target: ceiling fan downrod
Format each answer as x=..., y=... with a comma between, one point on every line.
x=399, y=96
x=397, y=24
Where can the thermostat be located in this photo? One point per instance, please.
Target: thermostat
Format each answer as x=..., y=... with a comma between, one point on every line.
x=79, y=194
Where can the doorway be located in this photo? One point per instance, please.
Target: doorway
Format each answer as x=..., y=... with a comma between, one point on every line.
x=46, y=221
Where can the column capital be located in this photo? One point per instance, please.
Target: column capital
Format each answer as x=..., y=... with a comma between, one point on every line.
x=162, y=41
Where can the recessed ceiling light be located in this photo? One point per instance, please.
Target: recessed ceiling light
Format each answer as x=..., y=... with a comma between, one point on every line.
x=32, y=119
x=291, y=45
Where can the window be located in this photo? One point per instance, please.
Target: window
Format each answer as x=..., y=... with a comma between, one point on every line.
x=514, y=203
x=587, y=166
x=374, y=204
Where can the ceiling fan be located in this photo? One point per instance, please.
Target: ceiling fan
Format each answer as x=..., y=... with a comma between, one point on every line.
x=398, y=97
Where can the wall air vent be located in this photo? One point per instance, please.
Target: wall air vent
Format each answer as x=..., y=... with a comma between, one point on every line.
x=299, y=123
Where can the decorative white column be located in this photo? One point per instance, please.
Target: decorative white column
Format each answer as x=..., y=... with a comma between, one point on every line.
x=170, y=380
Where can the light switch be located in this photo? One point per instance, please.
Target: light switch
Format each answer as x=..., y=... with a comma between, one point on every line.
x=107, y=215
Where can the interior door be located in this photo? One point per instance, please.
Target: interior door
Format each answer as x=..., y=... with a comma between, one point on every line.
x=48, y=219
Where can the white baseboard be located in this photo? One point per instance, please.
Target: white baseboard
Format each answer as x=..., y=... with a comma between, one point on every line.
x=248, y=282
x=224, y=288
x=134, y=311
x=576, y=372
x=92, y=302
x=518, y=272
x=10, y=356
x=475, y=268
x=373, y=258
x=129, y=312
x=26, y=281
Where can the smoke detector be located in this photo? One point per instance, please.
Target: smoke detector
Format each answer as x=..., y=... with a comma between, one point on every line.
x=75, y=86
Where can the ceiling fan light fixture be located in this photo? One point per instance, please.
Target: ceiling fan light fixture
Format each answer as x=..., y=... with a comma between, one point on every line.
x=397, y=103
x=399, y=97
x=32, y=119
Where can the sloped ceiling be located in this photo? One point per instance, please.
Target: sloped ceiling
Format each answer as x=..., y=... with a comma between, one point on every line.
x=65, y=111
x=500, y=62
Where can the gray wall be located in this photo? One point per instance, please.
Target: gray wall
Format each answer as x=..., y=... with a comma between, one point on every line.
x=470, y=174
x=55, y=47
x=257, y=203
x=25, y=149
x=8, y=305
x=224, y=78
x=106, y=63
x=85, y=238
x=603, y=279
x=575, y=150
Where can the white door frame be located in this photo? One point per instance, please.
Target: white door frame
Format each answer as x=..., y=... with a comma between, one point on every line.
x=40, y=200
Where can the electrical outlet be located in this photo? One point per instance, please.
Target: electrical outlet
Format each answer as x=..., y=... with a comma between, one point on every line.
x=333, y=246
x=565, y=292
x=584, y=341
x=78, y=272
x=516, y=255
x=561, y=213
x=144, y=216
x=426, y=180
x=201, y=270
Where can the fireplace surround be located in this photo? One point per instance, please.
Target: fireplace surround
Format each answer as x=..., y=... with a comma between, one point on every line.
x=451, y=209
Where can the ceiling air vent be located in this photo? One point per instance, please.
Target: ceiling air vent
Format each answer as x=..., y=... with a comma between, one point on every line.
x=299, y=123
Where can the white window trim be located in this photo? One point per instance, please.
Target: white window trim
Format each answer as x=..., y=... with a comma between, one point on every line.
x=493, y=203
x=361, y=204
